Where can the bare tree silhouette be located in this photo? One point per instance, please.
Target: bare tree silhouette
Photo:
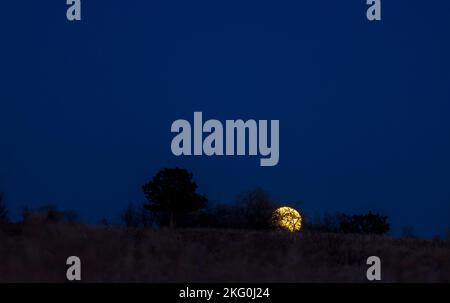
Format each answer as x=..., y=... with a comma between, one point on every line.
x=258, y=208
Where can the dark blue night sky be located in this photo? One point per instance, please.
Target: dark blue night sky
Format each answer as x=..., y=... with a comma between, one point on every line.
x=86, y=108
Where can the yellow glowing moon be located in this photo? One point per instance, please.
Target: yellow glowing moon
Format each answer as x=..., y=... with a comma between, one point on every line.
x=287, y=218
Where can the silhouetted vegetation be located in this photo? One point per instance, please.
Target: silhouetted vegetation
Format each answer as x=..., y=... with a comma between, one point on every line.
x=172, y=197
x=252, y=210
x=218, y=243
x=136, y=216
x=130, y=216
x=329, y=223
x=49, y=214
x=408, y=232
x=173, y=191
x=103, y=222
x=369, y=223
x=37, y=253
x=258, y=208
x=4, y=215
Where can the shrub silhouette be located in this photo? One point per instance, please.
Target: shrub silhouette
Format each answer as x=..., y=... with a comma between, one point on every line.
x=327, y=223
x=72, y=217
x=173, y=191
x=364, y=224
x=227, y=216
x=408, y=232
x=130, y=216
x=3, y=210
x=135, y=216
x=252, y=209
x=369, y=223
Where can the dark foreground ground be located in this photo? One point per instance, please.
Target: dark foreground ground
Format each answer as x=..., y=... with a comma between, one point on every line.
x=38, y=253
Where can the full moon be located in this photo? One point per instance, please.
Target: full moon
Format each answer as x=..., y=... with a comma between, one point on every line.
x=287, y=218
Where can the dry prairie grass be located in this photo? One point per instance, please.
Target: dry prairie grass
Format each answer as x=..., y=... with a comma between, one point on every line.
x=37, y=252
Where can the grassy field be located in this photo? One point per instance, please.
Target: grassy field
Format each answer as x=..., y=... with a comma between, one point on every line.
x=38, y=253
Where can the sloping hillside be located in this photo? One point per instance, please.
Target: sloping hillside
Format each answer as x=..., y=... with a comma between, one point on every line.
x=38, y=252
